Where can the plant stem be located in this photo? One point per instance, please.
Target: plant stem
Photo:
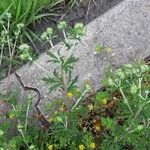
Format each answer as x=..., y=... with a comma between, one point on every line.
x=126, y=100
x=140, y=84
x=137, y=113
x=64, y=33
x=8, y=80
x=27, y=113
x=14, y=46
x=63, y=76
x=79, y=99
x=51, y=43
x=23, y=136
x=1, y=56
x=8, y=39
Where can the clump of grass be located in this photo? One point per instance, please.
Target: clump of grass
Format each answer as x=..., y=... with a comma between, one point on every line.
x=23, y=12
x=26, y=12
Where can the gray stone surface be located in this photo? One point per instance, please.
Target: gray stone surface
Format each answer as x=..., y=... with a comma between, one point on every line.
x=125, y=28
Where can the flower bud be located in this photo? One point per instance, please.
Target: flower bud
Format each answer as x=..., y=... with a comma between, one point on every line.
x=62, y=25
x=120, y=74
x=133, y=89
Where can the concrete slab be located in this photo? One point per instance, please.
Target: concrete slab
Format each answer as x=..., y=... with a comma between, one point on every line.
x=125, y=28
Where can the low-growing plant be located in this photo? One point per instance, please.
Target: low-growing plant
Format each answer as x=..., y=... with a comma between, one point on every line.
x=15, y=119
x=8, y=43
x=66, y=128
x=15, y=18
x=116, y=117
x=10, y=57
x=72, y=3
x=26, y=12
x=130, y=127
x=65, y=131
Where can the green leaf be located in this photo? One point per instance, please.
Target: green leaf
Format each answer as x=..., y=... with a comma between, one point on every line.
x=1, y=132
x=54, y=57
x=69, y=63
x=73, y=82
x=4, y=13
x=55, y=81
x=107, y=122
x=102, y=95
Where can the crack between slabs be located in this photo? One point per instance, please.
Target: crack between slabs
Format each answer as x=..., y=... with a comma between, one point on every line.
x=41, y=117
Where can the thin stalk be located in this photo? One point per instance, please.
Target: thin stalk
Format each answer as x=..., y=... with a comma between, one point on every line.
x=64, y=33
x=27, y=114
x=126, y=100
x=14, y=47
x=1, y=55
x=10, y=52
x=51, y=43
x=140, y=84
x=8, y=39
x=8, y=80
x=137, y=113
x=71, y=51
x=79, y=99
x=23, y=136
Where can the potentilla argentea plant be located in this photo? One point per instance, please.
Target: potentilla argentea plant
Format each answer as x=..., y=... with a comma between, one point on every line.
x=62, y=78
x=132, y=83
x=66, y=127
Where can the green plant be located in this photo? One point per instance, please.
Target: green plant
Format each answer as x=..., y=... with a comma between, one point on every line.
x=72, y=3
x=26, y=12
x=115, y=118
x=16, y=115
x=15, y=18
x=66, y=128
x=130, y=127
x=8, y=43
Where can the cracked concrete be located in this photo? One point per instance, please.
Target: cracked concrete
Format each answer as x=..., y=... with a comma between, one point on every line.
x=125, y=29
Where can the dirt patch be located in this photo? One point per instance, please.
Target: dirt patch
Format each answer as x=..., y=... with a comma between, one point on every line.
x=85, y=13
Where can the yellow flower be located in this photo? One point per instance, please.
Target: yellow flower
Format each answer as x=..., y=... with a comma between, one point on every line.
x=50, y=120
x=109, y=50
x=70, y=95
x=77, y=90
x=50, y=147
x=84, y=129
x=104, y=101
x=11, y=116
x=92, y=145
x=61, y=108
x=81, y=147
x=97, y=127
x=90, y=107
x=56, y=112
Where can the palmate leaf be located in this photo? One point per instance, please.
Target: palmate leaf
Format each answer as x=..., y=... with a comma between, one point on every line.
x=72, y=83
x=69, y=63
x=54, y=87
x=55, y=81
x=68, y=45
x=55, y=58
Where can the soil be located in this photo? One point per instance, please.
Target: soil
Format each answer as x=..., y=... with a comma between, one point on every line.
x=85, y=13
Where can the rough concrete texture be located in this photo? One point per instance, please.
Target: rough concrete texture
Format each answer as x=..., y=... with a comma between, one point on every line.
x=125, y=28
